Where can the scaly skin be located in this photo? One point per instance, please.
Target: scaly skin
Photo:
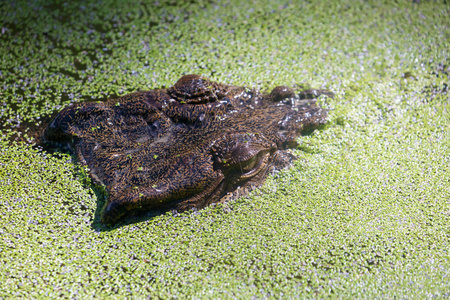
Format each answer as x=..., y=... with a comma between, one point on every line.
x=186, y=146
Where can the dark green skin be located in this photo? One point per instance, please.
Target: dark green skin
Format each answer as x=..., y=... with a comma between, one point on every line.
x=184, y=147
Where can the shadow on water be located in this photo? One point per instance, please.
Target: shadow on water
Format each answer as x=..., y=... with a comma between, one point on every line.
x=30, y=132
x=98, y=226
x=138, y=217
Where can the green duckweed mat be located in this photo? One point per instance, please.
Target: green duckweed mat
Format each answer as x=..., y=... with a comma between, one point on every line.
x=363, y=213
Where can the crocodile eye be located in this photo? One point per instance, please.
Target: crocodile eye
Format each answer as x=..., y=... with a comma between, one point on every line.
x=252, y=166
x=242, y=155
x=248, y=165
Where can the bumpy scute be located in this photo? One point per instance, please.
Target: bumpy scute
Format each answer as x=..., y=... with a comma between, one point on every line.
x=193, y=89
x=184, y=147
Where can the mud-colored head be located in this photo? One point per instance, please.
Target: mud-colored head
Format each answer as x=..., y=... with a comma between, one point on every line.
x=154, y=151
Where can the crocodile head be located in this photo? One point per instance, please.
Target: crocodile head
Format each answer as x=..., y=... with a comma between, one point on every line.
x=187, y=146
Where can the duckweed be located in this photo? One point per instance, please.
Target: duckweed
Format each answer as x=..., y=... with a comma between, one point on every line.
x=364, y=211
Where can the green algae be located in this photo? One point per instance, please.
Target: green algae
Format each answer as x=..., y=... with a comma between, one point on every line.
x=364, y=212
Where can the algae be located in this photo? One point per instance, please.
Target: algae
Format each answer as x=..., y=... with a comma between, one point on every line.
x=363, y=213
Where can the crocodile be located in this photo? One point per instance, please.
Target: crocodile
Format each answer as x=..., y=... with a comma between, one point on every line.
x=186, y=146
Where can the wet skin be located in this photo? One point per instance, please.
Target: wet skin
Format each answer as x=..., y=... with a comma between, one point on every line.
x=187, y=146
